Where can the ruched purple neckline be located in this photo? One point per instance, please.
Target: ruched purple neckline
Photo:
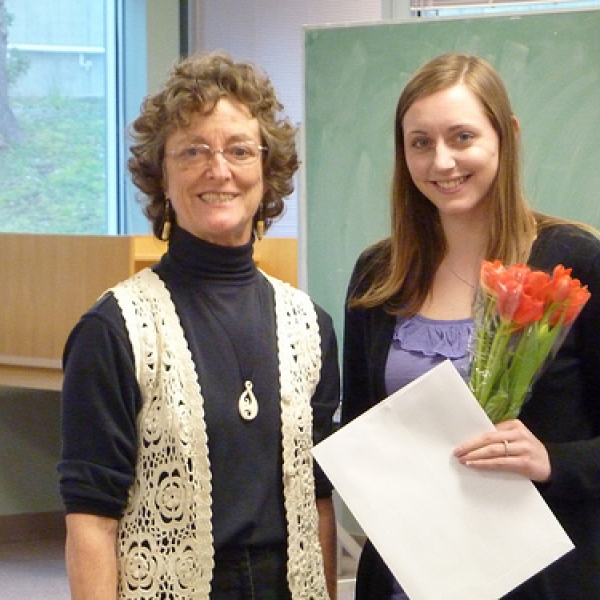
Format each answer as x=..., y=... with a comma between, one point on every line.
x=432, y=337
x=420, y=344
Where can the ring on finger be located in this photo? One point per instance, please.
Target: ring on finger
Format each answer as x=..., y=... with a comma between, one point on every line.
x=505, y=442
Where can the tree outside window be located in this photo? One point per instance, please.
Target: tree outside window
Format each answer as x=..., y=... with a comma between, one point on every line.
x=52, y=116
x=10, y=130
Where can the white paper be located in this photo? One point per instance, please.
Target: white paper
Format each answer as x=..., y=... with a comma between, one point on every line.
x=447, y=532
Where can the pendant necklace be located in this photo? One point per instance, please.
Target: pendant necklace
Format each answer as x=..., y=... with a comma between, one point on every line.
x=460, y=278
x=247, y=402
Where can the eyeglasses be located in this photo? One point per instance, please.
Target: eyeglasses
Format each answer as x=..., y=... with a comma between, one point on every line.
x=238, y=154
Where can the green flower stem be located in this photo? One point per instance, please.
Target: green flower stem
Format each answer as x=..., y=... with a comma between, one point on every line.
x=529, y=358
x=484, y=337
x=531, y=352
x=495, y=363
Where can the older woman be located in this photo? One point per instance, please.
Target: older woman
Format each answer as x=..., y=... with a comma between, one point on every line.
x=194, y=391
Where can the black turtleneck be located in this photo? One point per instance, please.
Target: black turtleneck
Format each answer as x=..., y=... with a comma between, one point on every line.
x=226, y=308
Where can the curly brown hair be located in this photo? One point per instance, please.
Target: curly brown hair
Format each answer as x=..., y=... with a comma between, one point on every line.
x=194, y=86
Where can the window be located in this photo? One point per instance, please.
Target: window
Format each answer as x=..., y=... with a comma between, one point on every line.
x=62, y=121
x=451, y=8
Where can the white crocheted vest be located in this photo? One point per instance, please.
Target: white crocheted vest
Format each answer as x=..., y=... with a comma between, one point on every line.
x=165, y=544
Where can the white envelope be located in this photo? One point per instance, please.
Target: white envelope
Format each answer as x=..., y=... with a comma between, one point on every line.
x=447, y=532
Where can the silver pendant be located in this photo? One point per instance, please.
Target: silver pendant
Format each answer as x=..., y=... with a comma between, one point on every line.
x=248, y=404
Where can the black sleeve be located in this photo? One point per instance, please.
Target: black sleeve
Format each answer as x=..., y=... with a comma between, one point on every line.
x=356, y=391
x=99, y=404
x=326, y=399
x=360, y=348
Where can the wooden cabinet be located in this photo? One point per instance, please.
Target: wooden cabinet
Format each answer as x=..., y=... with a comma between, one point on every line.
x=48, y=281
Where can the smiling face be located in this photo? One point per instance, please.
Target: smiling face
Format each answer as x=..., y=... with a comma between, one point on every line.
x=452, y=151
x=216, y=201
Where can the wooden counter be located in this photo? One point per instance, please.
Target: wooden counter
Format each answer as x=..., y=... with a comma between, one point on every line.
x=48, y=281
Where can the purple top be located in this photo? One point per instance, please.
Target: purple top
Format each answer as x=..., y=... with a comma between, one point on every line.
x=420, y=343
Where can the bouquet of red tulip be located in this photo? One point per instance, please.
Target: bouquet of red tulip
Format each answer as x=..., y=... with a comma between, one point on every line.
x=521, y=321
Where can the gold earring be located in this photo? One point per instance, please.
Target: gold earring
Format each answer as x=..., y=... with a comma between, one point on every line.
x=165, y=234
x=260, y=224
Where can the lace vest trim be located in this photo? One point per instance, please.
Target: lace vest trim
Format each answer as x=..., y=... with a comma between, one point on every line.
x=165, y=544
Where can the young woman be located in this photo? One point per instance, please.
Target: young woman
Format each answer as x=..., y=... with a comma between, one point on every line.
x=458, y=199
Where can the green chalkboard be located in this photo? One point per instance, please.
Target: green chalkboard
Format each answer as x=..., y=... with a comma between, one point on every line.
x=550, y=63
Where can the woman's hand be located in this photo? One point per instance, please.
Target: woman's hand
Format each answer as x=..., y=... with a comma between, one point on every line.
x=511, y=447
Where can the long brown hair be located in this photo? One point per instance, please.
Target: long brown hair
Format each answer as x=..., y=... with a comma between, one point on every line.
x=404, y=265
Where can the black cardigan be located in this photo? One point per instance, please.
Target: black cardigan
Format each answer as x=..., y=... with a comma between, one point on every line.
x=563, y=412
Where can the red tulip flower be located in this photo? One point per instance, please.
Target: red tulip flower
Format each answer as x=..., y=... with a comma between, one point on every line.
x=568, y=297
x=526, y=315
